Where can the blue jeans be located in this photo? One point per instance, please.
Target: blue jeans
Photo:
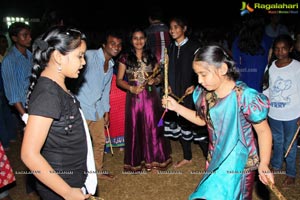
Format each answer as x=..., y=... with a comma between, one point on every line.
x=4, y=194
x=283, y=133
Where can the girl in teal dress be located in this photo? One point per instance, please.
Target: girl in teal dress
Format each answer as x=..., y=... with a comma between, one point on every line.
x=231, y=110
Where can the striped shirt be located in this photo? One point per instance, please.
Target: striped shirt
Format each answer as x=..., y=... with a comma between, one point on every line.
x=16, y=72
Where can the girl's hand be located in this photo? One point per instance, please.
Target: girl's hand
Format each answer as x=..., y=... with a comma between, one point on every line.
x=106, y=119
x=151, y=81
x=154, y=81
x=265, y=174
x=76, y=194
x=169, y=103
x=136, y=89
x=298, y=122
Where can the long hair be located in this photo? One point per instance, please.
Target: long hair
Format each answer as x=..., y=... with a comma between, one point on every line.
x=214, y=55
x=148, y=57
x=182, y=22
x=58, y=38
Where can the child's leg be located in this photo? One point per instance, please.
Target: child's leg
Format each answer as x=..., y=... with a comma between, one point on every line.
x=278, y=142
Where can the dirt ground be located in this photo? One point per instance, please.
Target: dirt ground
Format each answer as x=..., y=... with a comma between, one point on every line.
x=173, y=184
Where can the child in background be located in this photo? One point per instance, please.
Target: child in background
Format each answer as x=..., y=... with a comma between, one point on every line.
x=284, y=95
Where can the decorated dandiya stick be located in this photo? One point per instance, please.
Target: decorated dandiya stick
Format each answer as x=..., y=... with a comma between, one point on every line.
x=166, y=69
x=153, y=75
x=166, y=84
x=160, y=123
x=109, y=140
x=181, y=98
x=275, y=190
x=292, y=142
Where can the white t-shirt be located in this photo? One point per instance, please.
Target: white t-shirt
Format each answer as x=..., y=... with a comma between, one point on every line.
x=284, y=91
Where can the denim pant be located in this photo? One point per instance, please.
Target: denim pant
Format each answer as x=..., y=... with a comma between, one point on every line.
x=283, y=133
x=7, y=122
x=4, y=194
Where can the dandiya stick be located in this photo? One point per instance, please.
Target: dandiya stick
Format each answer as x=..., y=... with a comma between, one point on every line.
x=166, y=69
x=166, y=84
x=109, y=140
x=160, y=123
x=154, y=74
x=275, y=190
x=95, y=198
x=292, y=142
x=181, y=98
x=174, y=95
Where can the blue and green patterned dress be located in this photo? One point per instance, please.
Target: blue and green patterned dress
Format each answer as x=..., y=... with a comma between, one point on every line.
x=233, y=155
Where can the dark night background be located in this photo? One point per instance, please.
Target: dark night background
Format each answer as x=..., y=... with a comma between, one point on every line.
x=98, y=15
x=123, y=12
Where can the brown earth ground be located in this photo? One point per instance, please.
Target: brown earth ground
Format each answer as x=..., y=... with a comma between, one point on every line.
x=174, y=184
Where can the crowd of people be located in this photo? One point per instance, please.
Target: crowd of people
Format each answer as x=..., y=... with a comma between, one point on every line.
x=72, y=102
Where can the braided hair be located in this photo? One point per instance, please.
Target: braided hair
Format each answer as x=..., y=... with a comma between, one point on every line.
x=60, y=38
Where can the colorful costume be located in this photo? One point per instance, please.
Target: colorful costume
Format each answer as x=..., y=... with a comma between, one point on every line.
x=7, y=175
x=233, y=155
x=144, y=140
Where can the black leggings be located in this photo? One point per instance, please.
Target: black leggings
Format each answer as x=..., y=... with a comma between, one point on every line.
x=186, y=147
